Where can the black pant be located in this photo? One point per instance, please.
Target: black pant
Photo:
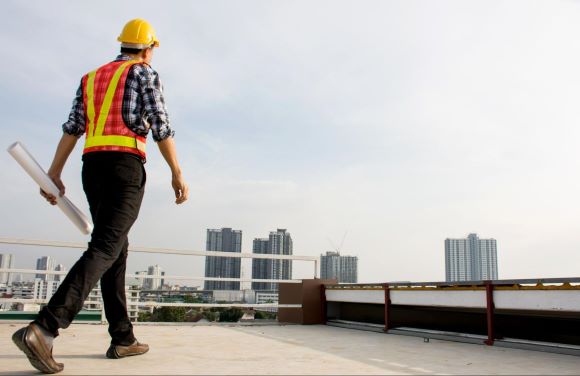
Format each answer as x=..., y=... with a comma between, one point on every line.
x=114, y=184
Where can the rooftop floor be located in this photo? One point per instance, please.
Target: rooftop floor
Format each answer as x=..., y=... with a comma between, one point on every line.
x=278, y=349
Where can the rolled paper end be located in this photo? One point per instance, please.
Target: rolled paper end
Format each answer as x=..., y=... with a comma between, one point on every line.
x=35, y=171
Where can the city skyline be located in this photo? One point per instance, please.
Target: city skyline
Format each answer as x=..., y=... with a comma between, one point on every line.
x=486, y=269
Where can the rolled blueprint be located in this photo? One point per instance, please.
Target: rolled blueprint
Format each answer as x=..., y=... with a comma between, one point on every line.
x=29, y=164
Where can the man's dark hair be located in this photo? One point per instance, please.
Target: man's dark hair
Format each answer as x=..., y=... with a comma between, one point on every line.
x=127, y=50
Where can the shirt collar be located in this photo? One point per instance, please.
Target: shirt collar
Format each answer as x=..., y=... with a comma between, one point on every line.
x=123, y=57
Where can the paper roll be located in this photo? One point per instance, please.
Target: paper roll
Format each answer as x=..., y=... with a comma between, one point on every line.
x=29, y=164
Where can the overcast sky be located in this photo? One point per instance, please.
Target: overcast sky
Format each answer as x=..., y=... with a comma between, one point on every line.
x=397, y=123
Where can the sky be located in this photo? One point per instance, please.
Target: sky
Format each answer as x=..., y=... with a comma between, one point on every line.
x=390, y=124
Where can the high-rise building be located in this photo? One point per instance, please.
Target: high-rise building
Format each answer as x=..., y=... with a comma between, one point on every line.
x=142, y=282
x=278, y=243
x=59, y=268
x=154, y=283
x=470, y=259
x=342, y=268
x=6, y=262
x=45, y=263
x=223, y=240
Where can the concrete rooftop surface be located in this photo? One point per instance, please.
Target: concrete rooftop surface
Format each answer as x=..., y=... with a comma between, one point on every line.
x=277, y=349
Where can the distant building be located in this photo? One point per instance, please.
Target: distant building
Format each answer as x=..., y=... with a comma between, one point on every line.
x=470, y=259
x=24, y=290
x=94, y=301
x=59, y=268
x=223, y=240
x=267, y=297
x=154, y=283
x=6, y=262
x=278, y=243
x=44, y=289
x=45, y=263
x=342, y=268
x=234, y=296
x=142, y=282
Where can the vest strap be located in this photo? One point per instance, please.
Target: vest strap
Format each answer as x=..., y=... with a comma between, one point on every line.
x=110, y=93
x=91, y=103
x=125, y=141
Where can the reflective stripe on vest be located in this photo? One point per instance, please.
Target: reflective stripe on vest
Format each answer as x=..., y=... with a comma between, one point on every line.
x=125, y=141
x=96, y=139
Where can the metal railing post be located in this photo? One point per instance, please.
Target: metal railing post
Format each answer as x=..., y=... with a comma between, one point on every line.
x=387, y=306
x=489, y=313
x=323, y=303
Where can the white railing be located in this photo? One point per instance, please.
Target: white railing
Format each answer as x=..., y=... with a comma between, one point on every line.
x=184, y=252
x=169, y=251
x=146, y=276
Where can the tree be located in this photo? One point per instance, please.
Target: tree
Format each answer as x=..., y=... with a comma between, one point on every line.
x=231, y=315
x=168, y=314
x=144, y=316
x=192, y=299
x=210, y=315
x=193, y=315
x=261, y=315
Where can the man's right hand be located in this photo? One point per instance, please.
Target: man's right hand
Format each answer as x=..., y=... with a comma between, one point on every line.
x=63, y=150
x=50, y=197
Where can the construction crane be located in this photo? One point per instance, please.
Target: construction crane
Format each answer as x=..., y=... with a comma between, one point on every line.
x=339, y=248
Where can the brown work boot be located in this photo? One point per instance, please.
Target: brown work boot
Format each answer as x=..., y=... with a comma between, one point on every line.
x=31, y=341
x=120, y=351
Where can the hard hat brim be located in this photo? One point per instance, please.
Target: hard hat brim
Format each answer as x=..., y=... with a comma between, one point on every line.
x=139, y=46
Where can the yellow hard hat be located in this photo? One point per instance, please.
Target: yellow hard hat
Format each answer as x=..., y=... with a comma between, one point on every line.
x=138, y=34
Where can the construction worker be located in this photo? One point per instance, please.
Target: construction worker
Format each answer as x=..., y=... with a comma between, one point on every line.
x=115, y=107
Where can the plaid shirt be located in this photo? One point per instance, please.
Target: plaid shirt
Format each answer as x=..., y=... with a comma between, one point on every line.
x=143, y=105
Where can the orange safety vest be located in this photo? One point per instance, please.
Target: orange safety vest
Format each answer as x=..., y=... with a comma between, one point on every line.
x=105, y=130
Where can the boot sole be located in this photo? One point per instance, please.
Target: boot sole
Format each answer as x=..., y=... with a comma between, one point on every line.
x=112, y=354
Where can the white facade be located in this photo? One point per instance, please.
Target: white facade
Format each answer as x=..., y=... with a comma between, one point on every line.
x=264, y=297
x=40, y=289
x=95, y=300
x=154, y=283
x=470, y=259
x=6, y=262
x=234, y=296
x=23, y=290
x=44, y=289
x=488, y=259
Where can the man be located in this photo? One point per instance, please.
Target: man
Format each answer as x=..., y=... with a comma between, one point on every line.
x=115, y=107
